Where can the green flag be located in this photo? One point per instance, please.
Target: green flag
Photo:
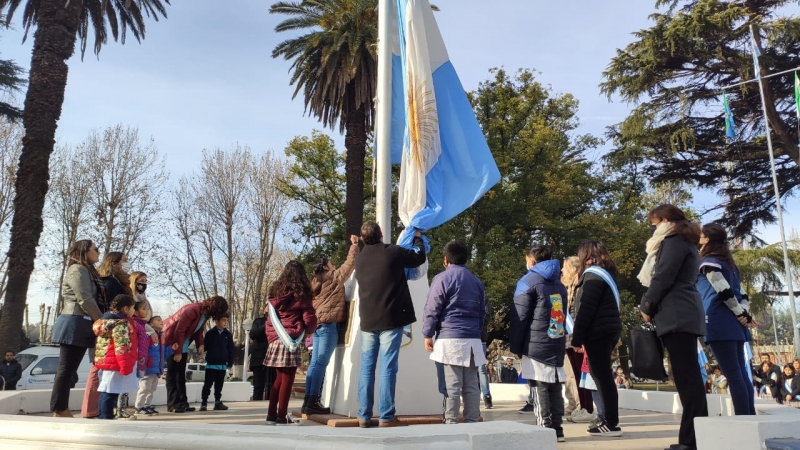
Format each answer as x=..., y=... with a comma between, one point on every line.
x=797, y=94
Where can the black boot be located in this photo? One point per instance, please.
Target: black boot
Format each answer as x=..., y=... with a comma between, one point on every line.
x=487, y=402
x=305, y=404
x=219, y=406
x=315, y=407
x=203, y=406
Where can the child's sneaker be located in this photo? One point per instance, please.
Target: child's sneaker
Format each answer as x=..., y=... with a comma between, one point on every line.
x=527, y=409
x=581, y=416
x=602, y=429
x=143, y=412
x=272, y=420
x=203, y=406
x=123, y=414
x=219, y=406
x=286, y=421
x=153, y=410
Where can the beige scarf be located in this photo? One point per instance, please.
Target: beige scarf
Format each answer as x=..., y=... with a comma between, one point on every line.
x=653, y=244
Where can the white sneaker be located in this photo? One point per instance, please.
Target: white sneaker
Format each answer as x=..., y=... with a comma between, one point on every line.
x=581, y=416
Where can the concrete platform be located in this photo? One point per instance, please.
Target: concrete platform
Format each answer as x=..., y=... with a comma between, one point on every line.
x=200, y=436
x=744, y=432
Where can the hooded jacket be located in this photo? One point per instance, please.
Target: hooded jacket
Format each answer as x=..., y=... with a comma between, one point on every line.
x=537, y=326
x=296, y=315
x=328, y=290
x=116, y=343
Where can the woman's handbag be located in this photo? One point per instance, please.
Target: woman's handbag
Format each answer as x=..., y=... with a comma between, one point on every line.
x=647, y=354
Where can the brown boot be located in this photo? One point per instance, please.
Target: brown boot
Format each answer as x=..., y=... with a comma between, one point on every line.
x=393, y=423
x=64, y=413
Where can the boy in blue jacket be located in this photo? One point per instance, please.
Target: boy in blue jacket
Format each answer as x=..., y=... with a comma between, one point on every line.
x=454, y=313
x=219, y=357
x=154, y=369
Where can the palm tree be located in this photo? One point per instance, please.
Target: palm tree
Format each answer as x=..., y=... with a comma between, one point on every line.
x=335, y=66
x=10, y=81
x=761, y=271
x=59, y=25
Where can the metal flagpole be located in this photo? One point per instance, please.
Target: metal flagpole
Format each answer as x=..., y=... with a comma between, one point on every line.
x=786, y=263
x=383, y=122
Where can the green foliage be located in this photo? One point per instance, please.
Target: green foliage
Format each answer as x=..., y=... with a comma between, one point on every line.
x=10, y=81
x=673, y=72
x=761, y=272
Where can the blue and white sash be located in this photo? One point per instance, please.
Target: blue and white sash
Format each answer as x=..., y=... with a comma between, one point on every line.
x=605, y=276
x=291, y=344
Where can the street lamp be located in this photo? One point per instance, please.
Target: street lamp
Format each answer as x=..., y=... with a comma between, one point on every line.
x=247, y=324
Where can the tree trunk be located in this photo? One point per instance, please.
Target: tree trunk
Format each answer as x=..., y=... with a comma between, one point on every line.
x=355, y=141
x=53, y=44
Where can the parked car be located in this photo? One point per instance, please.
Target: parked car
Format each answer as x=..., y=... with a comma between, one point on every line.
x=39, y=367
x=197, y=372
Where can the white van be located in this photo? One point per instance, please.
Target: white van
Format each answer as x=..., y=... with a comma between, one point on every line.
x=39, y=367
x=197, y=372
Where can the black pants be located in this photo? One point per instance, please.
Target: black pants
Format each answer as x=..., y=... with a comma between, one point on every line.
x=69, y=360
x=217, y=378
x=598, y=351
x=176, y=383
x=682, y=349
x=548, y=403
x=263, y=379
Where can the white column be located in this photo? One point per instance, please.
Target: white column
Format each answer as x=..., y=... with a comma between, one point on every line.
x=383, y=122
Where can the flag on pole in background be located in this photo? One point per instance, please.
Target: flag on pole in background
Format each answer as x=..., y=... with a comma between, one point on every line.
x=756, y=53
x=797, y=95
x=445, y=162
x=729, y=132
x=702, y=359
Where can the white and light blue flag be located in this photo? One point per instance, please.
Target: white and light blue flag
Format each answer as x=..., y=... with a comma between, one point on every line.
x=445, y=162
x=702, y=359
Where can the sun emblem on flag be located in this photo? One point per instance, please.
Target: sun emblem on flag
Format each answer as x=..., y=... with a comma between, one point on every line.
x=422, y=122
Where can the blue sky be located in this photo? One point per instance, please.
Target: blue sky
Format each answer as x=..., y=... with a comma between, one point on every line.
x=205, y=76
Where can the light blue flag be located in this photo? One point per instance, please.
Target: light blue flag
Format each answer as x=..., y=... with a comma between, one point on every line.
x=702, y=359
x=748, y=356
x=756, y=53
x=445, y=163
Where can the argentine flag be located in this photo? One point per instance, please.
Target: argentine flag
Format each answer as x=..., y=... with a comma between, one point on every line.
x=702, y=359
x=445, y=163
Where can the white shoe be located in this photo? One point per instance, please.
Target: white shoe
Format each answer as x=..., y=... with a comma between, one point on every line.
x=581, y=416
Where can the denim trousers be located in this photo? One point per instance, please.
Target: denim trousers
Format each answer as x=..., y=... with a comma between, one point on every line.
x=379, y=347
x=730, y=356
x=483, y=377
x=325, y=339
x=107, y=404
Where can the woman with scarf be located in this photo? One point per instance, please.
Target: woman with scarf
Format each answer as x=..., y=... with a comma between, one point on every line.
x=113, y=271
x=727, y=317
x=84, y=302
x=789, y=385
x=673, y=304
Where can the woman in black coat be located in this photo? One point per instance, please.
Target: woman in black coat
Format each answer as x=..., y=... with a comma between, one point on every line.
x=673, y=303
x=263, y=376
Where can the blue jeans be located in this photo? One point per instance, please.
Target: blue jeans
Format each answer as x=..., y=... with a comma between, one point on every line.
x=325, y=339
x=600, y=407
x=107, y=404
x=385, y=344
x=730, y=356
x=440, y=378
x=483, y=377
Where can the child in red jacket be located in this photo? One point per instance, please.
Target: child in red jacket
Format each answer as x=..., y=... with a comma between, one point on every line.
x=290, y=318
x=116, y=353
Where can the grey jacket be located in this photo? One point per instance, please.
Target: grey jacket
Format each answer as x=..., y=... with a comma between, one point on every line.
x=79, y=293
x=672, y=299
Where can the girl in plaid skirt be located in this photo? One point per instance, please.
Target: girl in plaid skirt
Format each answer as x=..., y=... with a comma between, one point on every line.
x=290, y=318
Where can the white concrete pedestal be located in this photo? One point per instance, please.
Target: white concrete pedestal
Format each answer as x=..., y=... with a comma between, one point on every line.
x=417, y=389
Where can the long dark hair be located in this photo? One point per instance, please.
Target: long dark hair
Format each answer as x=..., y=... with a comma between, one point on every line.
x=321, y=266
x=717, y=246
x=293, y=279
x=215, y=306
x=688, y=230
x=596, y=251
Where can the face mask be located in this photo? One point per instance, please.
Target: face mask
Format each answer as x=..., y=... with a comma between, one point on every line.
x=141, y=287
x=126, y=267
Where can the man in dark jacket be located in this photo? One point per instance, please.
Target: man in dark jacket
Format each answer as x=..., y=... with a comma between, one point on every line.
x=263, y=376
x=537, y=332
x=385, y=307
x=10, y=371
x=508, y=373
x=219, y=357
